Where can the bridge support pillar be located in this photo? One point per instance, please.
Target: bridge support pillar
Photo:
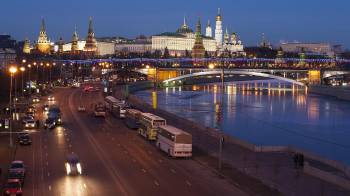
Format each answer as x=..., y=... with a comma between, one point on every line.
x=314, y=77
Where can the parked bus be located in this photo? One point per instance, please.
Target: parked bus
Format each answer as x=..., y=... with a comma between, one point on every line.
x=119, y=109
x=149, y=124
x=174, y=141
x=110, y=101
x=133, y=117
x=100, y=110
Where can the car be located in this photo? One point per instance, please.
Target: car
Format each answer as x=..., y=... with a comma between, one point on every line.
x=31, y=108
x=50, y=123
x=25, y=140
x=30, y=113
x=81, y=109
x=17, y=166
x=73, y=165
x=26, y=118
x=35, y=100
x=29, y=124
x=16, y=175
x=51, y=98
x=13, y=187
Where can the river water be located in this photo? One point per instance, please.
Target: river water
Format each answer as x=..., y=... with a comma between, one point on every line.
x=264, y=113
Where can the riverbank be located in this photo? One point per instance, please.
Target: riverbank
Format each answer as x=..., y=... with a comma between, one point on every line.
x=273, y=165
x=342, y=93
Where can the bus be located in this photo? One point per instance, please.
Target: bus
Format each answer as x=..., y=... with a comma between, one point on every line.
x=132, y=118
x=149, y=124
x=119, y=109
x=100, y=110
x=110, y=101
x=175, y=142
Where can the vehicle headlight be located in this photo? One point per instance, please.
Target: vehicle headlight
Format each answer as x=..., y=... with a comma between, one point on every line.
x=26, y=125
x=68, y=169
x=59, y=120
x=7, y=192
x=79, y=168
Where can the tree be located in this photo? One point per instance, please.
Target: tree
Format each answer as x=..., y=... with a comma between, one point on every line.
x=166, y=53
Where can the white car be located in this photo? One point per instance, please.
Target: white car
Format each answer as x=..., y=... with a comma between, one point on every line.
x=29, y=124
x=73, y=165
x=26, y=118
x=81, y=109
x=51, y=98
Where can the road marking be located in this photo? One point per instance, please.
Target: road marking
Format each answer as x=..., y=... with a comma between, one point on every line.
x=47, y=154
x=160, y=160
x=49, y=187
x=126, y=152
x=188, y=183
x=70, y=145
x=156, y=183
x=149, y=152
x=144, y=171
x=48, y=174
x=113, y=138
x=85, y=186
x=173, y=170
x=118, y=144
x=47, y=163
x=134, y=160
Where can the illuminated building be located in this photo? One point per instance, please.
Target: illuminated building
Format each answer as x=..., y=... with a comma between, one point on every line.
x=198, y=49
x=74, y=46
x=26, y=46
x=180, y=42
x=7, y=56
x=232, y=44
x=43, y=45
x=140, y=45
x=208, y=30
x=218, y=30
x=90, y=45
x=309, y=48
x=60, y=45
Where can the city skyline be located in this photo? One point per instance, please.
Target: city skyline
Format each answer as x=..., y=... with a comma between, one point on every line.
x=130, y=19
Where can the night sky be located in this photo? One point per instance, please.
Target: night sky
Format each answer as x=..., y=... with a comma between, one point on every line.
x=289, y=20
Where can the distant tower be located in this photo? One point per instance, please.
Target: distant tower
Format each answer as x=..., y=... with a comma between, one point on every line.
x=218, y=30
x=91, y=45
x=234, y=38
x=26, y=46
x=60, y=45
x=75, y=39
x=208, y=30
x=198, y=50
x=43, y=44
x=264, y=43
x=226, y=37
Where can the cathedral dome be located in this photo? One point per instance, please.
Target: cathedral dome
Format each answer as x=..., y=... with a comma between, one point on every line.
x=184, y=29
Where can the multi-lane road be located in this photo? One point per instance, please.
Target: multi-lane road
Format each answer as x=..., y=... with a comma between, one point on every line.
x=115, y=160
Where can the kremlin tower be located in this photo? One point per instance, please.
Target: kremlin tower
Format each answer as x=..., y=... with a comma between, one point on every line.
x=90, y=45
x=60, y=45
x=75, y=39
x=43, y=44
x=198, y=49
x=208, y=31
x=218, y=30
x=26, y=46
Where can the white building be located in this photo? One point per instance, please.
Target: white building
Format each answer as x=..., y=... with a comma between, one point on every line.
x=208, y=30
x=103, y=48
x=309, y=48
x=140, y=45
x=218, y=30
x=232, y=44
x=180, y=41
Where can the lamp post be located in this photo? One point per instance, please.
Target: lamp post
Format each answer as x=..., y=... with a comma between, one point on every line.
x=22, y=69
x=29, y=79
x=12, y=71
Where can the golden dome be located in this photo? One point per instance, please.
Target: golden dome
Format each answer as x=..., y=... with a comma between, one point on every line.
x=218, y=18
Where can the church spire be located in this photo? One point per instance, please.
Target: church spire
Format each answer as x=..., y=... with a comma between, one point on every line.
x=184, y=21
x=198, y=49
x=42, y=27
x=91, y=29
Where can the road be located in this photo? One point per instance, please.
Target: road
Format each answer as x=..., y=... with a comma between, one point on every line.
x=115, y=160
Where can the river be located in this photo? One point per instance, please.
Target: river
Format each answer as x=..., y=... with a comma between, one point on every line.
x=264, y=113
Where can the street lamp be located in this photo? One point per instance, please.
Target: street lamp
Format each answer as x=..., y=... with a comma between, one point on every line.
x=12, y=71
x=22, y=69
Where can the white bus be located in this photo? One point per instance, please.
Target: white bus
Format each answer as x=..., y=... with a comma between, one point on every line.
x=149, y=124
x=132, y=118
x=119, y=109
x=174, y=141
x=110, y=101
